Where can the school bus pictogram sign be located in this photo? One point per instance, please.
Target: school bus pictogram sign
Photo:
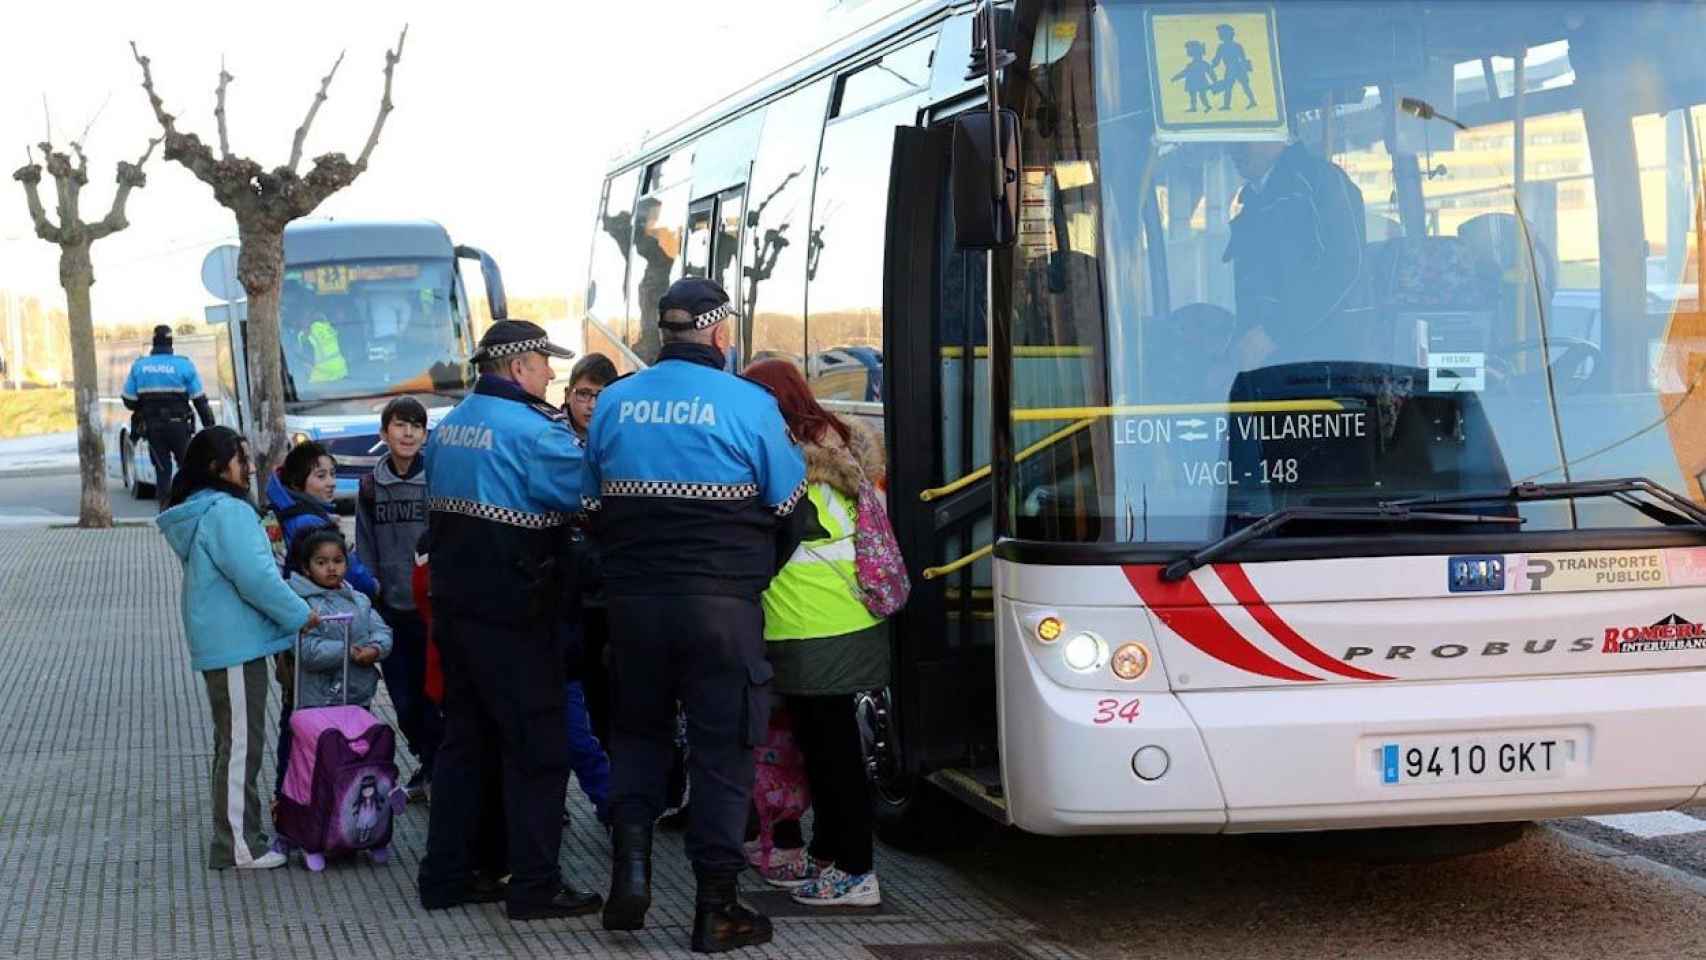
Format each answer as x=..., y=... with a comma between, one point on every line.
x=1216, y=73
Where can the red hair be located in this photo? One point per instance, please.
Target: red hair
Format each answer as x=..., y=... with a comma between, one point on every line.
x=806, y=418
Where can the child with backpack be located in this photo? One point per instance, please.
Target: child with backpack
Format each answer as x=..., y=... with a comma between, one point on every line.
x=390, y=519
x=300, y=501
x=340, y=790
x=322, y=586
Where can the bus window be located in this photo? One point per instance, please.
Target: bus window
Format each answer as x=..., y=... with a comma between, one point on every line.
x=1433, y=266
x=654, y=263
x=696, y=262
x=774, y=262
x=725, y=242
x=607, y=287
x=897, y=73
x=844, y=262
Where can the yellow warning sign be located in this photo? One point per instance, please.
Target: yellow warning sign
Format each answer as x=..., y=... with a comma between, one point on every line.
x=1216, y=73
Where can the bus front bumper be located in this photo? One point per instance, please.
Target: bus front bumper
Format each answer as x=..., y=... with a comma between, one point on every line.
x=1311, y=758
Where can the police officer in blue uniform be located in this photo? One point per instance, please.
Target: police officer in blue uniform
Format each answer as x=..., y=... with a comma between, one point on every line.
x=159, y=391
x=503, y=478
x=692, y=485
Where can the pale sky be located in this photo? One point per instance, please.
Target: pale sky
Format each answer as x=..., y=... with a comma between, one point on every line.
x=507, y=114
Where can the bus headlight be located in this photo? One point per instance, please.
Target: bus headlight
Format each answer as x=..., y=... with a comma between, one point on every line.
x=1084, y=652
x=1131, y=661
x=1049, y=629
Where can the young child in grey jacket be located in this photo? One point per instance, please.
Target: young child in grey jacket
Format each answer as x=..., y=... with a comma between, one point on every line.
x=325, y=560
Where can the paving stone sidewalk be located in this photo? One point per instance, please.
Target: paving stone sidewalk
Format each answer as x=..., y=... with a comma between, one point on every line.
x=104, y=816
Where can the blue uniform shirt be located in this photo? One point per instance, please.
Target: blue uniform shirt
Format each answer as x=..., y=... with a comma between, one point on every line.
x=689, y=471
x=503, y=476
x=164, y=376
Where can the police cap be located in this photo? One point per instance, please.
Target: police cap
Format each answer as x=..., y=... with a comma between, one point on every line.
x=509, y=338
x=703, y=300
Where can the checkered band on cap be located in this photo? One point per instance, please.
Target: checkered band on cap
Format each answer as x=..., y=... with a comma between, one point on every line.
x=536, y=345
x=679, y=490
x=503, y=515
x=787, y=506
x=713, y=316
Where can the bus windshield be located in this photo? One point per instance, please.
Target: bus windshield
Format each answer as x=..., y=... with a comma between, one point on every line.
x=1324, y=253
x=365, y=329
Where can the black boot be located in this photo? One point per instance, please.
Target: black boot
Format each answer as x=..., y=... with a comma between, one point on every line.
x=630, y=877
x=721, y=922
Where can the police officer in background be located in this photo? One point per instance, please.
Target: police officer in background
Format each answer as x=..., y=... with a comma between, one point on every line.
x=503, y=477
x=692, y=483
x=159, y=391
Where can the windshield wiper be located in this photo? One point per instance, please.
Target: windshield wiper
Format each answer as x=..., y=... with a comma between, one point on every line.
x=1269, y=522
x=1676, y=509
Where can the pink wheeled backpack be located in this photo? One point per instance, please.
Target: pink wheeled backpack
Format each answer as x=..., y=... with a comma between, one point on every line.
x=340, y=787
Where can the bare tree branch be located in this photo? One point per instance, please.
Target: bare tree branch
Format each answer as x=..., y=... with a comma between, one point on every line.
x=30, y=176
x=65, y=187
x=84, y=136
x=230, y=178
x=154, y=100
x=130, y=176
x=46, y=116
x=385, y=106
x=219, y=110
x=313, y=108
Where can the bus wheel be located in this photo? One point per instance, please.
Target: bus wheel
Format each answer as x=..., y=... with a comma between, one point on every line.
x=909, y=812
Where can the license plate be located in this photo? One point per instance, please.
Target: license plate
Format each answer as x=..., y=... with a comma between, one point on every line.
x=1438, y=760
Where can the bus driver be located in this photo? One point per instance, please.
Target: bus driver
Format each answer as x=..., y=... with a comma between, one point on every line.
x=1297, y=258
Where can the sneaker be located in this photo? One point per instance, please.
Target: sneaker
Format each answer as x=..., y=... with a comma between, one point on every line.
x=836, y=888
x=271, y=860
x=790, y=869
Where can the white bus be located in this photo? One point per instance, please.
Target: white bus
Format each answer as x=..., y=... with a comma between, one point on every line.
x=393, y=294
x=1264, y=466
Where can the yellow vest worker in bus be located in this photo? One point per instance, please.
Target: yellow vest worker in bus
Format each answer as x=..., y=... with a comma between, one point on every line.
x=328, y=354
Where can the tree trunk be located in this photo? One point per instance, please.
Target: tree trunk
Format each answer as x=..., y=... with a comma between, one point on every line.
x=76, y=275
x=260, y=267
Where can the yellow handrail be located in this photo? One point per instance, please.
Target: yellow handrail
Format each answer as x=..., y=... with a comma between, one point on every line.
x=936, y=493
x=1030, y=414
x=931, y=573
x=955, y=353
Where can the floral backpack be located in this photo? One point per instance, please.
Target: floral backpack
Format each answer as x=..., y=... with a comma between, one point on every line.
x=883, y=583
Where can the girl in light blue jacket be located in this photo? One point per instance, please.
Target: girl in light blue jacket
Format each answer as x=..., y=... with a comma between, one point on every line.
x=237, y=612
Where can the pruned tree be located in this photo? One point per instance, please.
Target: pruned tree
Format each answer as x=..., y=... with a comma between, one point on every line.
x=74, y=236
x=264, y=202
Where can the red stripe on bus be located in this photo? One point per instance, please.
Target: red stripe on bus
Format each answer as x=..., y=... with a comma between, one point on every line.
x=1183, y=608
x=1237, y=581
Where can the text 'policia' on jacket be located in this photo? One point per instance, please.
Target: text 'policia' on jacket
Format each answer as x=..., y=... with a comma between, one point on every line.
x=503, y=477
x=164, y=385
x=690, y=473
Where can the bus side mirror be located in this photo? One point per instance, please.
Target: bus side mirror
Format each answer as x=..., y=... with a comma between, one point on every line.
x=985, y=189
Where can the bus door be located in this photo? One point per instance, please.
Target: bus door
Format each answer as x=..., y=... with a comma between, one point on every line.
x=937, y=424
x=713, y=247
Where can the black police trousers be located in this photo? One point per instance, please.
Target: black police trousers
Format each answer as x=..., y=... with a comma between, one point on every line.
x=707, y=652
x=168, y=442
x=503, y=722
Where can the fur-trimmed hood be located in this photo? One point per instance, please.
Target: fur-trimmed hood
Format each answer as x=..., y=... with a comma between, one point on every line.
x=836, y=464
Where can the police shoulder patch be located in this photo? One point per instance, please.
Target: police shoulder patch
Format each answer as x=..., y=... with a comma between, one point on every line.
x=549, y=412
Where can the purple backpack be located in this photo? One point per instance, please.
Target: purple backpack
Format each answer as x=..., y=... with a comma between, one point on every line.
x=883, y=583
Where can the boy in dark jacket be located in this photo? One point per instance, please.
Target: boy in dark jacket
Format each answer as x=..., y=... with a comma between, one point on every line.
x=390, y=518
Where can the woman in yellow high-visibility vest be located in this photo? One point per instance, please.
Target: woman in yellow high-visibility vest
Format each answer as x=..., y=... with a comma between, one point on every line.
x=826, y=647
